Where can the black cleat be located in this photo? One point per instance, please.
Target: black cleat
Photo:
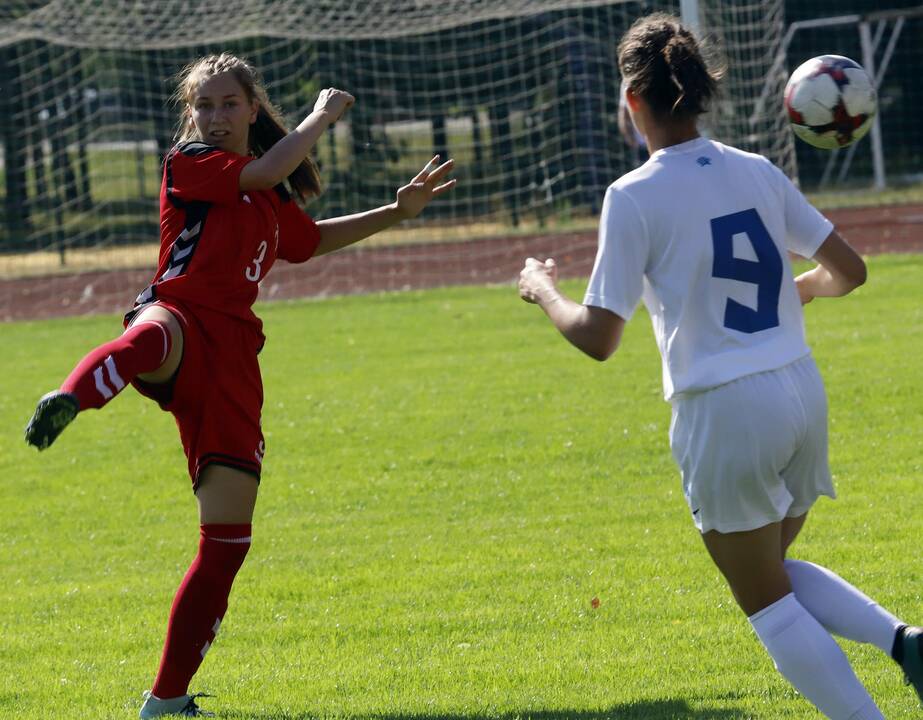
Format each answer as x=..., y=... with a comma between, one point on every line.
x=912, y=660
x=53, y=413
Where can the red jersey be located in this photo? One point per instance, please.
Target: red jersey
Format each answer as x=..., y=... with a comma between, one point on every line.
x=217, y=242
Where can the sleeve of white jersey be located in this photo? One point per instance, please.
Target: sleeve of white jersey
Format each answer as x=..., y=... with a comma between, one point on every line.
x=805, y=227
x=618, y=274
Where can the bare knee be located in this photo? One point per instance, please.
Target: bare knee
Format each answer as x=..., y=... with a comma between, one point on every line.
x=756, y=596
x=751, y=562
x=226, y=495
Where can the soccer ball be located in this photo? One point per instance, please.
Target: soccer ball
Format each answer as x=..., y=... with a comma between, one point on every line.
x=830, y=101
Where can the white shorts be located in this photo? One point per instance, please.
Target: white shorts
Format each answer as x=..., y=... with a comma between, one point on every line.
x=753, y=451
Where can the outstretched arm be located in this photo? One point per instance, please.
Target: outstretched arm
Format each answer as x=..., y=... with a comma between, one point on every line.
x=594, y=330
x=281, y=159
x=339, y=232
x=839, y=271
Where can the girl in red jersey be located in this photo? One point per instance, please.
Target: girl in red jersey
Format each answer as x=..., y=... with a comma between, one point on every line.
x=191, y=340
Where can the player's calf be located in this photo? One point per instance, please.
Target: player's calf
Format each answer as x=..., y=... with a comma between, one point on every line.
x=199, y=606
x=109, y=368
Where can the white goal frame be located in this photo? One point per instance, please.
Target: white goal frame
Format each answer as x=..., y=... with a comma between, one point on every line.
x=870, y=45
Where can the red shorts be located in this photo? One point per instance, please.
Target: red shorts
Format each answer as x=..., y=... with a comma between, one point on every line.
x=216, y=395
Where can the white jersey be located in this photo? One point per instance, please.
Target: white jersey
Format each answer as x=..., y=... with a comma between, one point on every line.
x=700, y=231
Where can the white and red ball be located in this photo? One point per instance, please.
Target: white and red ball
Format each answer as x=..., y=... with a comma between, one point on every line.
x=830, y=101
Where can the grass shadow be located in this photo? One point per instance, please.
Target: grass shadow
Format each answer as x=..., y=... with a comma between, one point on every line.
x=641, y=710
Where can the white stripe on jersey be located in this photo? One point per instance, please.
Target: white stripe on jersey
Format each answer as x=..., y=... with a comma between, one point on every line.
x=188, y=233
x=180, y=254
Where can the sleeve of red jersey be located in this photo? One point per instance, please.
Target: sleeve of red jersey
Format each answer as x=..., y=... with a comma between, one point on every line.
x=199, y=172
x=299, y=235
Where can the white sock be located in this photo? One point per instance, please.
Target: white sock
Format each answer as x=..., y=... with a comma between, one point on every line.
x=840, y=608
x=812, y=661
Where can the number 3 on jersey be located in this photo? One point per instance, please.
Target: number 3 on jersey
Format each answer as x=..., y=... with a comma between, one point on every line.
x=765, y=272
x=252, y=272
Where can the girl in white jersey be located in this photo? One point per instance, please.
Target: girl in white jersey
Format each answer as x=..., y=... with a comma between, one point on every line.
x=701, y=232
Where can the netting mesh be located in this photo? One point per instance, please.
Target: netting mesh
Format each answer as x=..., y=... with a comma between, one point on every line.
x=523, y=94
x=170, y=23
x=752, y=34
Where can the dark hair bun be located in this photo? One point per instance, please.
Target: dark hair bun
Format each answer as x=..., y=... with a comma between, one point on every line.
x=662, y=62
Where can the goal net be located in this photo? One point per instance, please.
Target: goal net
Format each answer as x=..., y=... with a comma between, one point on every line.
x=522, y=93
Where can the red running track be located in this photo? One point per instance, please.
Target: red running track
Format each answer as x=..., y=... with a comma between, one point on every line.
x=888, y=229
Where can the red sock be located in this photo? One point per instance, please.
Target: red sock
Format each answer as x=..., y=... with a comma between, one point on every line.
x=199, y=606
x=102, y=374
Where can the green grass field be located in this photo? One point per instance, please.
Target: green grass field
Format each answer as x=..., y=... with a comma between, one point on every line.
x=448, y=484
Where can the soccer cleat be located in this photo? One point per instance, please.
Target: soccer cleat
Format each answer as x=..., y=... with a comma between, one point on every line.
x=912, y=661
x=182, y=706
x=54, y=412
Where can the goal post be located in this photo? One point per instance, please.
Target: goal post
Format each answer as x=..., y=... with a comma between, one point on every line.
x=689, y=12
